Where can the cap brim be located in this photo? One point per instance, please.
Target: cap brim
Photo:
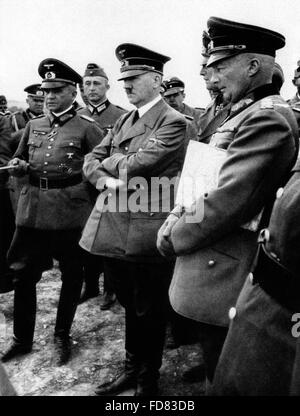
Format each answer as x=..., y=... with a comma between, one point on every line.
x=131, y=73
x=220, y=56
x=172, y=91
x=54, y=84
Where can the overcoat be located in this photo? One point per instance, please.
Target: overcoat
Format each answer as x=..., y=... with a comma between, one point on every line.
x=55, y=151
x=259, y=353
x=150, y=149
x=215, y=255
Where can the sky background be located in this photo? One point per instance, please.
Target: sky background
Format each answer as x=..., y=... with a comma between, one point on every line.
x=82, y=31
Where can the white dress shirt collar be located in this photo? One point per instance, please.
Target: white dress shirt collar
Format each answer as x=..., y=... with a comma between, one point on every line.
x=142, y=110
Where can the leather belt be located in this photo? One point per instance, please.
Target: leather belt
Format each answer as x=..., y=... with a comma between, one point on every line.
x=277, y=281
x=44, y=183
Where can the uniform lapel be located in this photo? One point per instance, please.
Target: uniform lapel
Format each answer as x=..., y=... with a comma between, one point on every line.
x=139, y=127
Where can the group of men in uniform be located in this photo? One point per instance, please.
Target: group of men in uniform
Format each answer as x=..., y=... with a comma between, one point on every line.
x=98, y=187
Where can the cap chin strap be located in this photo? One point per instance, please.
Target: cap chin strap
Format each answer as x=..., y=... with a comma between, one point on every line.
x=227, y=48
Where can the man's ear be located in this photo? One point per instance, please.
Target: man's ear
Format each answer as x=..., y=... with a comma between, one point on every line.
x=253, y=66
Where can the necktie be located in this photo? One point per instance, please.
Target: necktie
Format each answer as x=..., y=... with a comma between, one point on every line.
x=135, y=117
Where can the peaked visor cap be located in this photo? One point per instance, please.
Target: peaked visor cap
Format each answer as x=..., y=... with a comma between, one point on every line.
x=34, y=90
x=173, y=85
x=230, y=38
x=57, y=74
x=136, y=60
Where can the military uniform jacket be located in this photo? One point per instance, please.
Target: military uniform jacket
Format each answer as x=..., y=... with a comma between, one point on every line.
x=55, y=150
x=216, y=254
x=151, y=148
x=6, y=150
x=106, y=115
x=213, y=116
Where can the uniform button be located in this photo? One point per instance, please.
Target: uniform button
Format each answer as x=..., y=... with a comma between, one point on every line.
x=44, y=171
x=110, y=194
x=232, y=313
x=151, y=214
x=274, y=255
x=49, y=147
x=126, y=148
x=48, y=154
x=51, y=140
x=71, y=144
x=140, y=149
x=251, y=277
x=211, y=263
x=266, y=235
x=45, y=163
x=279, y=192
x=55, y=125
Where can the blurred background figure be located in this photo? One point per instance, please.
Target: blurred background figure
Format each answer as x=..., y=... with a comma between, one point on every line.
x=3, y=106
x=295, y=101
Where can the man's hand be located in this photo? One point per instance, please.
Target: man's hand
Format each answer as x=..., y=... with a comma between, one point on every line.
x=110, y=183
x=164, y=243
x=18, y=167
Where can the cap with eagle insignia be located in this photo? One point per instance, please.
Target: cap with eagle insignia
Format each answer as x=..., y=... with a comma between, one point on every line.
x=230, y=38
x=35, y=90
x=136, y=60
x=57, y=74
x=173, y=85
x=94, y=70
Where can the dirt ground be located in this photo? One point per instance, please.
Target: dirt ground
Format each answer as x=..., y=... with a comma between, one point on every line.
x=98, y=352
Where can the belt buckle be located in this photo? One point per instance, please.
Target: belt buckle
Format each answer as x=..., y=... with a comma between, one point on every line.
x=44, y=184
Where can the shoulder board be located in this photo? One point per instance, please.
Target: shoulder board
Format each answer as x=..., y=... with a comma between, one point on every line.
x=40, y=116
x=267, y=103
x=188, y=117
x=296, y=109
x=87, y=118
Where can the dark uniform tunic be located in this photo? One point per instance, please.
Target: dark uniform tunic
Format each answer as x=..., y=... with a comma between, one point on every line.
x=105, y=114
x=259, y=352
x=18, y=121
x=6, y=213
x=52, y=211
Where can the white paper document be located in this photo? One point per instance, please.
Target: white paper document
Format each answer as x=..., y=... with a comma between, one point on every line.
x=200, y=173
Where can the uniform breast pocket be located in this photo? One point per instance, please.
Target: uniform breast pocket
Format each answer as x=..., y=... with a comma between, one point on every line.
x=69, y=150
x=34, y=144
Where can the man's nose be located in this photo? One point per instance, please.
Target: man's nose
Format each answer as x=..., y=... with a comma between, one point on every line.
x=50, y=94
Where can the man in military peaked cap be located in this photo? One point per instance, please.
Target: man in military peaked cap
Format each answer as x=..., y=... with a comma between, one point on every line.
x=35, y=100
x=144, y=145
x=52, y=208
x=174, y=95
x=95, y=87
x=261, y=141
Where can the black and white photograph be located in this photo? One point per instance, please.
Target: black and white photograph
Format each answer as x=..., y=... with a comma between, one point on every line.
x=149, y=181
